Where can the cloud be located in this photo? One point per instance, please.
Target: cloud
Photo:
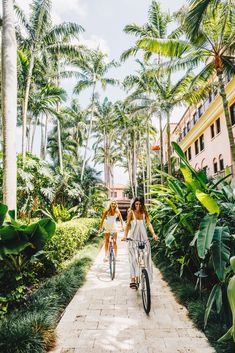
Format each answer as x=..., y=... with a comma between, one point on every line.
x=61, y=9
x=95, y=42
x=69, y=9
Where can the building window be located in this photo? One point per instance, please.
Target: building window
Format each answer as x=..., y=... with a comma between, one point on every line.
x=212, y=131
x=196, y=147
x=215, y=165
x=200, y=111
x=205, y=169
x=221, y=163
x=189, y=154
x=188, y=126
x=232, y=113
x=215, y=92
x=184, y=131
x=201, y=139
x=218, y=127
x=210, y=97
x=195, y=118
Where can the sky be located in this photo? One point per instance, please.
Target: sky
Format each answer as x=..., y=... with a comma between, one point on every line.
x=103, y=21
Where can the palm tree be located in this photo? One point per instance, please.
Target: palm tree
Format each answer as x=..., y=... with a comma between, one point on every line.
x=155, y=28
x=43, y=38
x=197, y=11
x=92, y=70
x=42, y=103
x=106, y=151
x=75, y=125
x=131, y=129
x=143, y=85
x=214, y=47
x=9, y=103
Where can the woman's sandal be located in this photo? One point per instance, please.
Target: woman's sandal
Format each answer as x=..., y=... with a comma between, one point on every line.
x=133, y=285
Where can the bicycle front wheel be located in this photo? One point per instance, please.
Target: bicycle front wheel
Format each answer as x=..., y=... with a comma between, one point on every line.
x=145, y=288
x=112, y=265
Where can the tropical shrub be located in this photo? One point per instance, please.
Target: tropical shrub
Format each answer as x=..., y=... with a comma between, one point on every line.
x=231, y=298
x=21, y=247
x=59, y=213
x=68, y=238
x=195, y=221
x=31, y=328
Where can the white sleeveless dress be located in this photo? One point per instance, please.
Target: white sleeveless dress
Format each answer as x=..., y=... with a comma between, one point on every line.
x=110, y=223
x=138, y=232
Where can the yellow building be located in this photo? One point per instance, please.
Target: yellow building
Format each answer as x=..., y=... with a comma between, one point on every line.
x=202, y=133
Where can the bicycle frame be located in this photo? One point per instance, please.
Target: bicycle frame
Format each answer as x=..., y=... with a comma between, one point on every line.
x=111, y=246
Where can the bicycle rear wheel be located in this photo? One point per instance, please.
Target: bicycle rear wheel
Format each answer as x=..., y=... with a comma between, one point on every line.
x=145, y=289
x=112, y=265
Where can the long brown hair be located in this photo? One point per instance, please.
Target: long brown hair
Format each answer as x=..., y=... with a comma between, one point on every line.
x=142, y=205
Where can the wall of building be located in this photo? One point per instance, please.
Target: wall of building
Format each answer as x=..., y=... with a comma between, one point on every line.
x=196, y=122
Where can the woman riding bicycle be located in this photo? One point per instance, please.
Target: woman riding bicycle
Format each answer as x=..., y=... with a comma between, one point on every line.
x=109, y=221
x=138, y=218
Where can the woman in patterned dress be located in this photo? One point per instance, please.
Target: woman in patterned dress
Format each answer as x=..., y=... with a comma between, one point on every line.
x=138, y=218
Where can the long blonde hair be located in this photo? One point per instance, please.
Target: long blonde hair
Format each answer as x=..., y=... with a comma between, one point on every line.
x=108, y=210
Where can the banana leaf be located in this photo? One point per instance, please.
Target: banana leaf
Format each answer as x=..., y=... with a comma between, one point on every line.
x=205, y=234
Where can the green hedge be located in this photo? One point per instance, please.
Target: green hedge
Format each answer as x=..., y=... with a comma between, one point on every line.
x=69, y=238
x=30, y=328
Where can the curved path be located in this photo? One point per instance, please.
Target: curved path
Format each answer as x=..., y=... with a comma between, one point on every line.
x=107, y=316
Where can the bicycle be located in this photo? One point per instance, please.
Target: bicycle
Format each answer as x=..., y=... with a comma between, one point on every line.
x=143, y=278
x=112, y=258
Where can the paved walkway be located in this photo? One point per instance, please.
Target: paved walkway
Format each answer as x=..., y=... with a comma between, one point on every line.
x=107, y=316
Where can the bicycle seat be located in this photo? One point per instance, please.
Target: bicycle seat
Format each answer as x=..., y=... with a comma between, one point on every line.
x=141, y=245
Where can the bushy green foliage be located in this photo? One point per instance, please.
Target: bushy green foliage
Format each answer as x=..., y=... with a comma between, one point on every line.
x=31, y=328
x=69, y=237
x=195, y=221
x=67, y=240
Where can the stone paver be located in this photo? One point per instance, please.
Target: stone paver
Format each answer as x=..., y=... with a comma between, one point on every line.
x=106, y=316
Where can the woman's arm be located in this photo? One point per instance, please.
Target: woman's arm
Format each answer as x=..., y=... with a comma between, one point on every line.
x=121, y=219
x=102, y=220
x=129, y=218
x=150, y=227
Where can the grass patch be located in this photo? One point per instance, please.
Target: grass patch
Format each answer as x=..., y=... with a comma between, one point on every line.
x=31, y=328
x=185, y=293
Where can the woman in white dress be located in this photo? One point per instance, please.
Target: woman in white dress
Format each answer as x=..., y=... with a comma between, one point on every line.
x=109, y=218
x=138, y=218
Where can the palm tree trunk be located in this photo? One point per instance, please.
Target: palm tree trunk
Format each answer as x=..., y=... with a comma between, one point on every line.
x=134, y=167
x=33, y=134
x=89, y=132
x=60, y=149
x=60, y=152
x=168, y=129
x=9, y=104
x=42, y=139
x=25, y=104
x=129, y=165
x=227, y=118
x=143, y=177
x=45, y=138
x=149, y=176
x=161, y=147
x=29, y=135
